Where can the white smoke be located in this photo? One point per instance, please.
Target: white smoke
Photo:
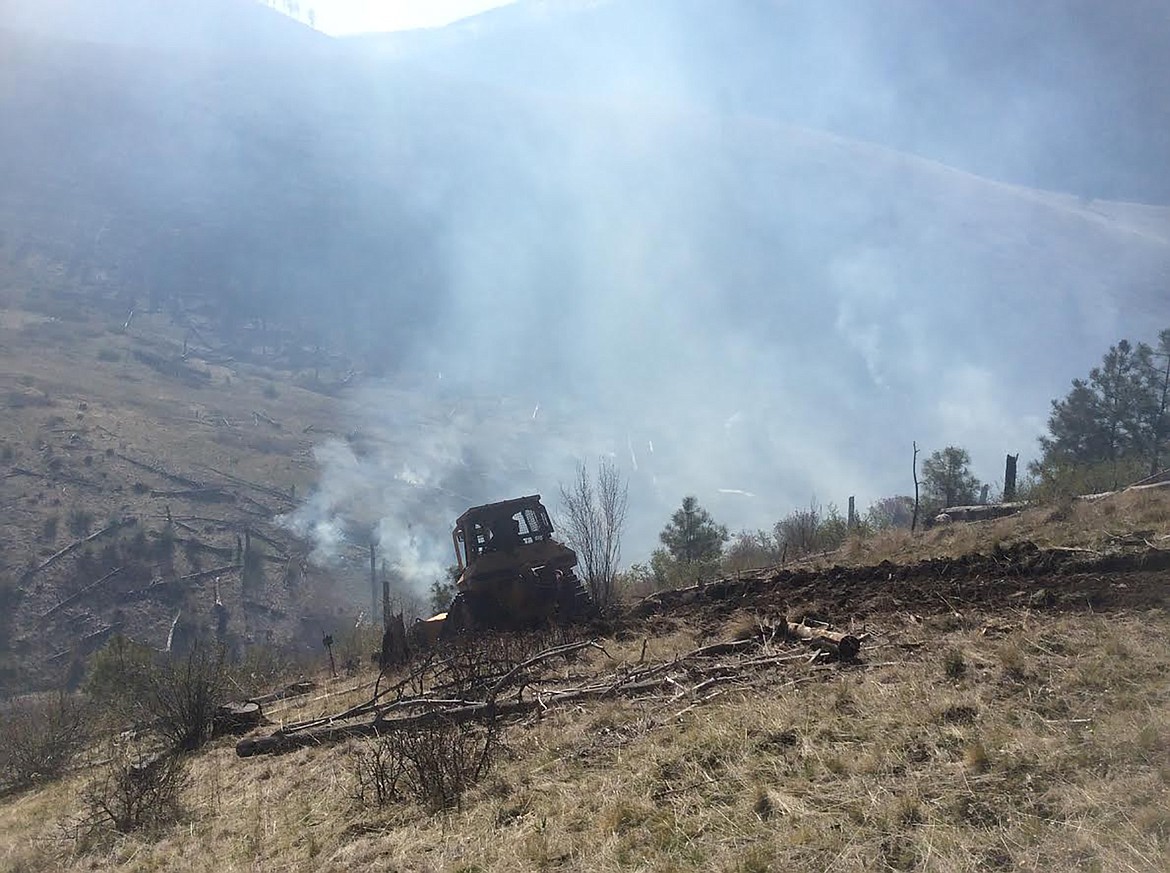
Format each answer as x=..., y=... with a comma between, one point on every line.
x=372, y=498
x=407, y=474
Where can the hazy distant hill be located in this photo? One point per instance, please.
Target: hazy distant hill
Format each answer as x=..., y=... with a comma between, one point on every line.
x=624, y=220
x=1062, y=94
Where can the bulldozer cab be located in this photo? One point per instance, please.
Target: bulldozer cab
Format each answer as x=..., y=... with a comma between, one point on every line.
x=507, y=527
x=512, y=574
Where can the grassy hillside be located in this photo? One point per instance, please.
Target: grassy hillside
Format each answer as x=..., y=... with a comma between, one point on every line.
x=189, y=449
x=979, y=730
x=610, y=257
x=267, y=274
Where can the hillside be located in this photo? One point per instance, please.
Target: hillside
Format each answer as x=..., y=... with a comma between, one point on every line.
x=1063, y=96
x=270, y=301
x=450, y=279
x=176, y=451
x=1009, y=710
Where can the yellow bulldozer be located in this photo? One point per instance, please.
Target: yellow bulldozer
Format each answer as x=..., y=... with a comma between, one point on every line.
x=512, y=574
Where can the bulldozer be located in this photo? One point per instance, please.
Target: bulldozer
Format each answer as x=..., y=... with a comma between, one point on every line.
x=512, y=574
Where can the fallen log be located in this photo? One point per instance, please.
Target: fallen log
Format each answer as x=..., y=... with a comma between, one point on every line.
x=279, y=743
x=980, y=512
x=54, y=558
x=297, y=689
x=160, y=471
x=78, y=594
x=85, y=644
x=203, y=495
x=255, y=486
x=843, y=646
x=159, y=582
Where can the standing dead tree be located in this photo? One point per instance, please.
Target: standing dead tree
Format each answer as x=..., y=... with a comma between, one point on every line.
x=594, y=514
x=914, y=467
x=1163, y=406
x=1009, y=478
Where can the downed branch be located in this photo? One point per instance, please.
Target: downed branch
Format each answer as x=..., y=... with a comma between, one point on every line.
x=79, y=594
x=296, y=689
x=204, y=495
x=57, y=556
x=255, y=486
x=470, y=685
x=437, y=712
x=160, y=471
x=547, y=654
x=160, y=582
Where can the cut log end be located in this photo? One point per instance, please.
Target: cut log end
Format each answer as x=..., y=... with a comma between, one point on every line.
x=846, y=647
x=236, y=718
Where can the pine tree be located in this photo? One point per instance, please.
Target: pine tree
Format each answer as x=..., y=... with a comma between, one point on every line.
x=692, y=536
x=947, y=479
x=1117, y=420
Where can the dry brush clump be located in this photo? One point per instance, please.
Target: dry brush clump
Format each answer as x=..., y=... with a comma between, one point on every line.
x=134, y=791
x=40, y=737
x=433, y=765
x=177, y=695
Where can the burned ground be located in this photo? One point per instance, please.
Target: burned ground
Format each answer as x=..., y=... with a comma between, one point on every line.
x=1022, y=575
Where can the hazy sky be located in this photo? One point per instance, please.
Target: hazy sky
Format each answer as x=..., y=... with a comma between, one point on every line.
x=358, y=16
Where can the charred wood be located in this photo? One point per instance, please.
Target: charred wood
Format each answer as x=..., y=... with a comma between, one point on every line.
x=72, y=598
x=52, y=559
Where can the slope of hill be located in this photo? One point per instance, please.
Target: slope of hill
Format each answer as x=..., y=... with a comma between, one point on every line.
x=1062, y=96
x=521, y=277
x=140, y=466
x=1010, y=710
x=266, y=298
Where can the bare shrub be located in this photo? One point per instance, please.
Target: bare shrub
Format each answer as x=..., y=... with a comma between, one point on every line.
x=377, y=773
x=798, y=530
x=890, y=512
x=749, y=551
x=467, y=667
x=811, y=531
x=594, y=515
x=183, y=694
x=136, y=791
x=177, y=695
x=432, y=765
x=40, y=736
x=80, y=521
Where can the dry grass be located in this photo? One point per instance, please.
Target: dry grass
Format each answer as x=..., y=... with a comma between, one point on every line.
x=1099, y=524
x=1047, y=751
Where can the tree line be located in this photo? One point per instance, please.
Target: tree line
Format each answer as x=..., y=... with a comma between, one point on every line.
x=1113, y=426
x=1111, y=429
